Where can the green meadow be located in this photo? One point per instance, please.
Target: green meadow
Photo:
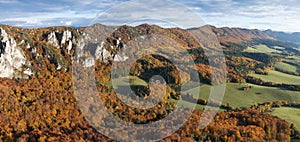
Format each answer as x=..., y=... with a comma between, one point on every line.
x=261, y=49
x=278, y=77
x=287, y=67
x=290, y=114
x=235, y=96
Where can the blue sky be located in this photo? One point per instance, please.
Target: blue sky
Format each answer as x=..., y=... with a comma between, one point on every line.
x=274, y=14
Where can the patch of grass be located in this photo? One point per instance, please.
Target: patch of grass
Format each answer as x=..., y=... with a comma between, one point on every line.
x=125, y=81
x=278, y=77
x=278, y=47
x=133, y=80
x=261, y=49
x=292, y=59
x=235, y=96
x=287, y=67
x=187, y=104
x=290, y=114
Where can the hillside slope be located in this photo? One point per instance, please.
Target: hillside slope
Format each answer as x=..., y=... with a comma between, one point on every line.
x=37, y=81
x=289, y=37
x=35, y=48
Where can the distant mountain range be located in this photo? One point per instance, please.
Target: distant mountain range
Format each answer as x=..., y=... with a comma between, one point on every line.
x=290, y=37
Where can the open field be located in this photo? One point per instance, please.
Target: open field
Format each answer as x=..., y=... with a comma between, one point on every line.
x=124, y=81
x=187, y=104
x=292, y=59
x=261, y=49
x=278, y=77
x=292, y=117
x=287, y=67
x=278, y=47
x=235, y=96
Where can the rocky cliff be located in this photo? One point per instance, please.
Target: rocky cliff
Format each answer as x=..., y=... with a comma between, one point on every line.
x=24, y=51
x=13, y=62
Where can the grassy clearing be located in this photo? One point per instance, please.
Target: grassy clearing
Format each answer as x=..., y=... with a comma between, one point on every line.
x=261, y=49
x=287, y=67
x=292, y=59
x=235, y=96
x=278, y=77
x=278, y=47
x=290, y=114
x=125, y=81
x=187, y=104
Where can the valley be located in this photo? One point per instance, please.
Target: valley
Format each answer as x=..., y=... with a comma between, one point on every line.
x=44, y=71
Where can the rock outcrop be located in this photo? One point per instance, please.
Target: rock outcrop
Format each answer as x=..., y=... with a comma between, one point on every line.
x=13, y=61
x=22, y=48
x=59, y=40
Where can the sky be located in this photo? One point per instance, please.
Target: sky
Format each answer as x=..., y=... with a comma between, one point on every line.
x=278, y=15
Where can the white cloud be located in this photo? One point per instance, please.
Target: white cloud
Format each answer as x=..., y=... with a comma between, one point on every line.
x=273, y=14
x=159, y=11
x=34, y=22
x=8, y=1
x=259, y=14
x=69, y=23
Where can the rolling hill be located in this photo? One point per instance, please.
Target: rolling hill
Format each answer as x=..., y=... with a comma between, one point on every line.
x=289, y=37
x=37, y=68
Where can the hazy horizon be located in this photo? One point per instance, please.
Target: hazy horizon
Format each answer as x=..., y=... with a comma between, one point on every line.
x=38, y=27
x=255, y=14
